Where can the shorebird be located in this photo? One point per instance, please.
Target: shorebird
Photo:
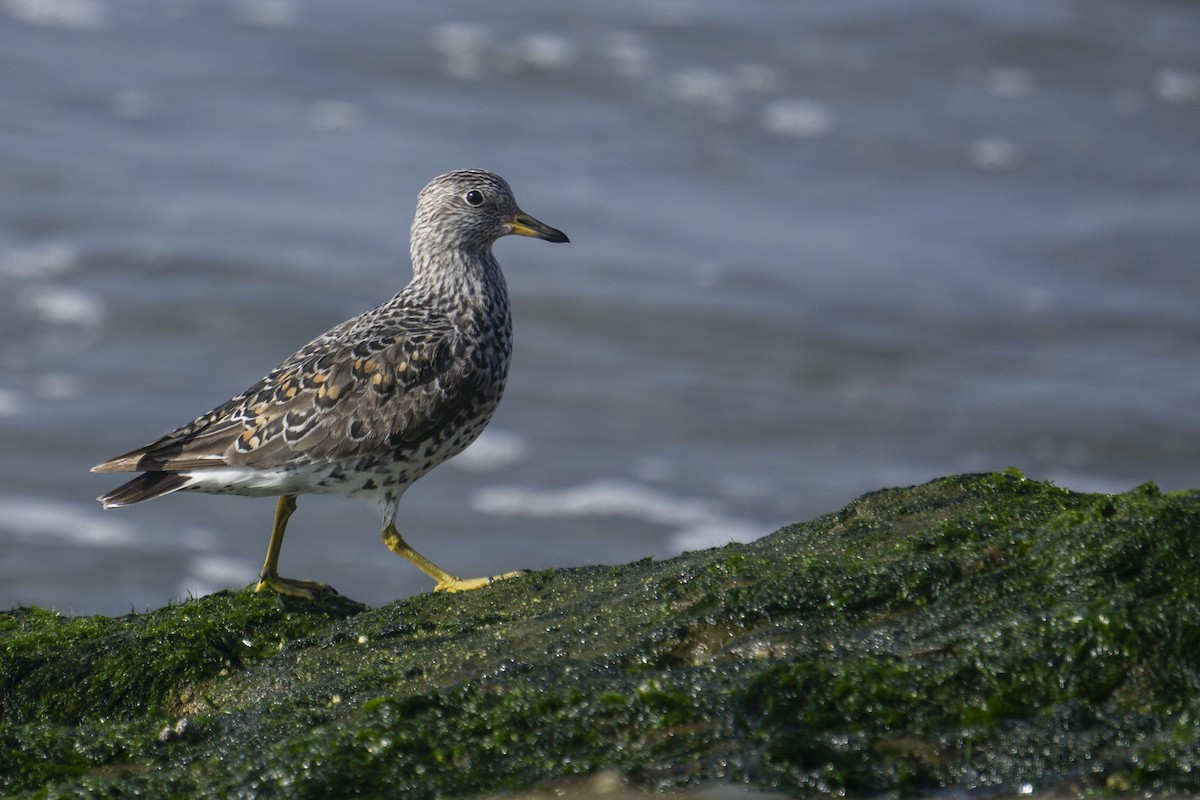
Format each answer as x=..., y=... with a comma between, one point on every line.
x=370, y=406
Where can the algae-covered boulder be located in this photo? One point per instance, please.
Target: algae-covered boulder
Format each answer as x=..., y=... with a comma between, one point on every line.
x=974, y=632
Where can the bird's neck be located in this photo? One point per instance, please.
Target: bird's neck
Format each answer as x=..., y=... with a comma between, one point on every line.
x=460, y=281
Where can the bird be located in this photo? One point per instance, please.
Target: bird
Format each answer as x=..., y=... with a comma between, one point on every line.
x=373, y=404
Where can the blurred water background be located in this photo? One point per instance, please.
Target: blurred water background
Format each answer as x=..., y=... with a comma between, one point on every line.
x=817, y=249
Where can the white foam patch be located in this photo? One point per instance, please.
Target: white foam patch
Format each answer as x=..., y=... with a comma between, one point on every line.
x=40, y=261
x=10, y=403
x=698, y=523
x=995, y=153
x=57, y=13
x=46, y=521
x=1177, y=86
x=464, y=46
x=1011, y=82
x=704, y=87
x=209, y=573
x=799, y=119
x=493, y=450
x=60, y=306
x=547, y=51
x=702, y=537
x=629, y=54
x=58, y=386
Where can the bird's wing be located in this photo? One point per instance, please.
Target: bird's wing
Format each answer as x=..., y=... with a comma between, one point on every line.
x=366, y=387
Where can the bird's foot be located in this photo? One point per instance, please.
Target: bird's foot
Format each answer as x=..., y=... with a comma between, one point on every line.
x=305, y=590
x=452, y=584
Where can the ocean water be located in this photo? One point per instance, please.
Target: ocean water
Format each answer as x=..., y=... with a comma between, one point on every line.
x=816, y=249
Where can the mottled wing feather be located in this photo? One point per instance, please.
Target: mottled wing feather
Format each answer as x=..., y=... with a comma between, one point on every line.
x=195, y=445
x=395, y=382
x=374, y=398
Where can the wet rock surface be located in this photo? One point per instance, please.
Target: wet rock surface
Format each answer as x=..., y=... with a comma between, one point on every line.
x=974, y=632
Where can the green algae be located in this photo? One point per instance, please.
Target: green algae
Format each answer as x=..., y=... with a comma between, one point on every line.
x=975, y=632
x=60, y=668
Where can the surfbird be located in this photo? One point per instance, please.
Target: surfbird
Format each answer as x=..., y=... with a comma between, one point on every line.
x=370, y=406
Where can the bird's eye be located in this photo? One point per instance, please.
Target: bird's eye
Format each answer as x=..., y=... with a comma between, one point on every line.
x=474, y=198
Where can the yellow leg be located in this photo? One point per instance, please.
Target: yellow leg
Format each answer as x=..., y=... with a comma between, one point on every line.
x=269, y=578
x=445, y=581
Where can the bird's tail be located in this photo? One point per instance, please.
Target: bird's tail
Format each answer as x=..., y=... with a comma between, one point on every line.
x=146, y=486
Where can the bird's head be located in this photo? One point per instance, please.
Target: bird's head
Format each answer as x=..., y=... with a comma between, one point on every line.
x=469, y=209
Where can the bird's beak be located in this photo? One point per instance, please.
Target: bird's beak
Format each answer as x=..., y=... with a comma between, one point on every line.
x=524, y=225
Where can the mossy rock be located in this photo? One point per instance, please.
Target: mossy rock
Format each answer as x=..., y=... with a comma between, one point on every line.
x=976, y=632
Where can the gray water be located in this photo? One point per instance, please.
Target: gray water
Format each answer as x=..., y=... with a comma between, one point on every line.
x=818, y=248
